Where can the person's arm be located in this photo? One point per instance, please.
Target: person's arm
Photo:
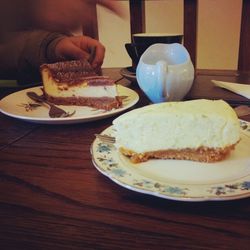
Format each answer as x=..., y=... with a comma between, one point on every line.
x=24, y=52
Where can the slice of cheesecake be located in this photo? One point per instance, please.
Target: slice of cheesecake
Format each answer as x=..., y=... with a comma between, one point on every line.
x=75, y=83
x=199, y=130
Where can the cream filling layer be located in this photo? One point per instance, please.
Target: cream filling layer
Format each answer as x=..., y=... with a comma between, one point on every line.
x=150, y=129
x=80, y=90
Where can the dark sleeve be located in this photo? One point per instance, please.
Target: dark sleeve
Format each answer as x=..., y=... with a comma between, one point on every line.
x=24, y=52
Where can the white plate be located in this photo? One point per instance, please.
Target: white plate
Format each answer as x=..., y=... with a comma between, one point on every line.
x=14, y=105
x=179, y=180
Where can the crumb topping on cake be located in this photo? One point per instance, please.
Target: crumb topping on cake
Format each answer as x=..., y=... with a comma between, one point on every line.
x=70, y=72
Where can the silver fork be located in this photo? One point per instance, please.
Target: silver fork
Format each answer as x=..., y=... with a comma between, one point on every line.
x=105, y=138
x=54, y=111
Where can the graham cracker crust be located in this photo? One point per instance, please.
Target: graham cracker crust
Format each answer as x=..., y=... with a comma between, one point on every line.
x=105, y=103
x=201, y=154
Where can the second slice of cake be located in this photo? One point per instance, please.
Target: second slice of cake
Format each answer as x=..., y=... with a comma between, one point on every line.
x=75, y=83
x=199, y=130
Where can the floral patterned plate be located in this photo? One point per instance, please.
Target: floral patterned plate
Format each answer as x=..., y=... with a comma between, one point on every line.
x=179, y=180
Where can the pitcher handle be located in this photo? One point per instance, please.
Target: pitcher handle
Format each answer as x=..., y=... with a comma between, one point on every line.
x=162, y=69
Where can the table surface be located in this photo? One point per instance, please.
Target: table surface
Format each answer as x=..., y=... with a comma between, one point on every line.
x=52, y=196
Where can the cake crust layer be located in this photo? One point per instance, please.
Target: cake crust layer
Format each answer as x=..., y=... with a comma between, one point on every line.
x=105, y=103
x=201, y=154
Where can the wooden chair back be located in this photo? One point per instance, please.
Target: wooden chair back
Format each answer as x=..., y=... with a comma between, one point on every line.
x=137, y=25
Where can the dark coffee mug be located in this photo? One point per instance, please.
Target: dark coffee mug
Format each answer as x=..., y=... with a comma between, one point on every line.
x=135, y=51
x=143, y=40
x=152, y=38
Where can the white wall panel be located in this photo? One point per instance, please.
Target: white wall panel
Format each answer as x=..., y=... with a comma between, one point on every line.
x=164, y=16
x=114, y=32
x=218, y=30
x=218, y=34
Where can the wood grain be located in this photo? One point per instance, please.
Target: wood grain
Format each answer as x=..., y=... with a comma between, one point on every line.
x=52, y=197
x=190, y=28
x=244, y=49
x=137, y=16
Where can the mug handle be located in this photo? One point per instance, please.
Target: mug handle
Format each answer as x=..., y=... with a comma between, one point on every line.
x=162, y=69
x=131, y=50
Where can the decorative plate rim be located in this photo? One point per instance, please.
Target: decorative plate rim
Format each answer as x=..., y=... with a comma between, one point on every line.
x=106, y=162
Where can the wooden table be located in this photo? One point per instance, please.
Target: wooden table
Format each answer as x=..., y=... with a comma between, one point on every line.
x=52, y=197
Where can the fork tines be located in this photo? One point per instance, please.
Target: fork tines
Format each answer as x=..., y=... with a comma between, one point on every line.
x=106, y=138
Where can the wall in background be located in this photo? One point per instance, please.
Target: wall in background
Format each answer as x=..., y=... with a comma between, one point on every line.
x=164, y=16
x=218, y=30
x=114, y=32
x=218, y=33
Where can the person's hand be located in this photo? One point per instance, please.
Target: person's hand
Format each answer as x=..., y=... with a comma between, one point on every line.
x=80, y=47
